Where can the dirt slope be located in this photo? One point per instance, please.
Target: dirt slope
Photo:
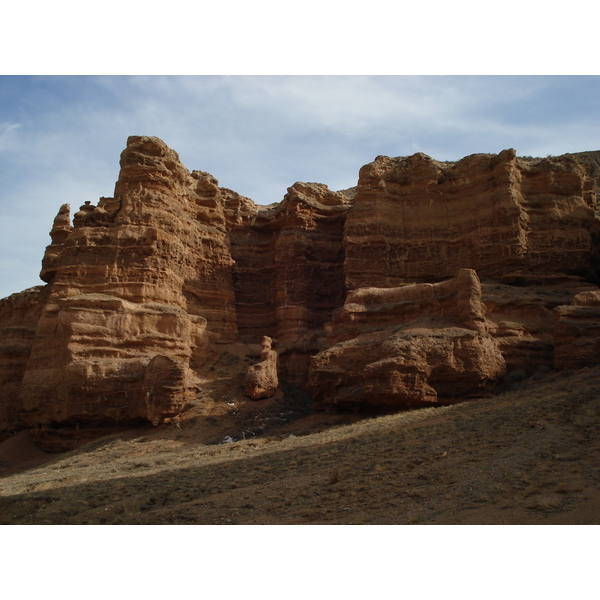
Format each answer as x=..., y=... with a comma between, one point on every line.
x=529, y=455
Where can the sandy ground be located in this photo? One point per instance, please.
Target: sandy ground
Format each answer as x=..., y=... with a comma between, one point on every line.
x=530, y=455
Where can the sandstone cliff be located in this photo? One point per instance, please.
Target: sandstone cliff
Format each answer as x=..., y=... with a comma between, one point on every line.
x=288, y=271
x=416, y=220
x=143, y=278
x=577, y=332
x=19, y=315
x=427, y=282
x=408, y=346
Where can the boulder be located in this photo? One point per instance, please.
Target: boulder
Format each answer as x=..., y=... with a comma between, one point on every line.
x=261, y=380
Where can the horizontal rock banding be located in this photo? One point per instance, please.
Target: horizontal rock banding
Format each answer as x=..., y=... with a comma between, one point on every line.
x=372, y=294
x=408, y=346
x=415, y=219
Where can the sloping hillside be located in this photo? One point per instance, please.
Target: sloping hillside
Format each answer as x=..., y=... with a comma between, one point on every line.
x=529, y=455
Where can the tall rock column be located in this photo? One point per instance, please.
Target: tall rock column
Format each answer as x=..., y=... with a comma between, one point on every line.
x=138, y=288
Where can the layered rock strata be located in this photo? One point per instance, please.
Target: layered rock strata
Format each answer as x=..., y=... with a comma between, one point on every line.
x=522, y=321
x=162, y=238
x=99, y=362
x=577, y=332
x=374, y=290
x=142, y=277
x=19, y=315
x=408, y=346
x=288, y=272
x=416, y=220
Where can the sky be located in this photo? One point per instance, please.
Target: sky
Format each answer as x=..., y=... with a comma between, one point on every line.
x=247, y=94
x=61, y=136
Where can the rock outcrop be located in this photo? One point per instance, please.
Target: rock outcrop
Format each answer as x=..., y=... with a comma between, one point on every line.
x=419, y=220
x=261, y=379
x=162, y=238
x=577, y=332
x=143, y=277
x=423, y=284
x=522, y=321
x=99, y=362
x=408, y=346
x=19, y=315
x=288, y=272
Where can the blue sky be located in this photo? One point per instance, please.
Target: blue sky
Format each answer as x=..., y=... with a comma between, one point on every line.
x=61, y=136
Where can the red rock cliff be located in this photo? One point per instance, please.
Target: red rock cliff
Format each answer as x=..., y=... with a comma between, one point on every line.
x=288, y=269
x=408, y=346
x=416, y=219
x=19, y=315
x=137, y=288
x=372, y=296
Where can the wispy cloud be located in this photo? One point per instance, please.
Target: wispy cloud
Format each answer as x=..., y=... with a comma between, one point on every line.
x=8, y=133
x=61, y=137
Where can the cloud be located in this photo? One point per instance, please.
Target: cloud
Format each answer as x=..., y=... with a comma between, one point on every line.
x=61, y=137
x=7, y=135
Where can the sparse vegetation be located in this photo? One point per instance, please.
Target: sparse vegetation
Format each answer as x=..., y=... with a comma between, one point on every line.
x=529, y=455
x=334, y=476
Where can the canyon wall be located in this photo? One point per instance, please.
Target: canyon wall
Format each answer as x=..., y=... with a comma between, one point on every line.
x=426, y=283
x=143, y=277
x=288, y=272
x=416, y=220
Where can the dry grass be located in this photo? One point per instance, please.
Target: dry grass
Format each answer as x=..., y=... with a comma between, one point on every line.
x=531, y=455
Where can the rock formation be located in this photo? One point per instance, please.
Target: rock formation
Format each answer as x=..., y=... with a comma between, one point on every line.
x=261, y=379
x=19, y=315
x=280, y=252
x=425, y=283
x=143, y=277
x=408, y=346
x=417, y=220
x=577, y=332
